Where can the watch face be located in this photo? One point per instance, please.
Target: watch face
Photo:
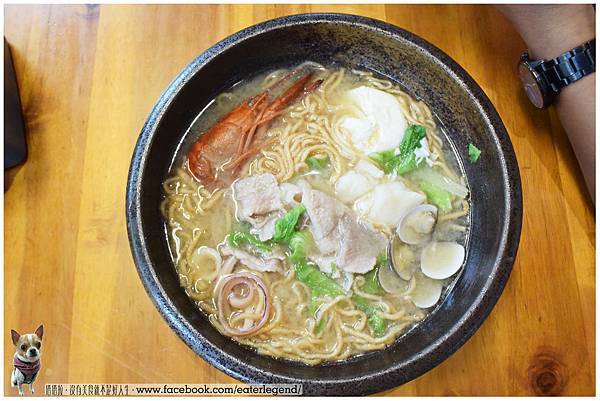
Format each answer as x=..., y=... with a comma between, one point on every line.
x=531, y=86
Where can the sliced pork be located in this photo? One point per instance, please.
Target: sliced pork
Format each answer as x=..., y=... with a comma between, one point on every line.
x=324, y=213
x=340, y=238
x=256, y=197
x=325, y=263
x=269, y=263
x=360, y=244
x=264, y=229
x=291, y=194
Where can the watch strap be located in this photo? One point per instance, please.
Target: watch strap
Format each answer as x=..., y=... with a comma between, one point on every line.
x=569, y=66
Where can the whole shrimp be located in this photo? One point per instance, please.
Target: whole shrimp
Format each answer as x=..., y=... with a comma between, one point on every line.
x=216, y=157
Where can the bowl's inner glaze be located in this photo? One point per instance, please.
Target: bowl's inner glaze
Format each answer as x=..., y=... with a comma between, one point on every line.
x=424, y=76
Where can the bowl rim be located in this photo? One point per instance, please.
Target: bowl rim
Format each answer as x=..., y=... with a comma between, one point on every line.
x=373, y=381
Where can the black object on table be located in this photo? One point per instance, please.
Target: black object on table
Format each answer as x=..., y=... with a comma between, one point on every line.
x=15, y=146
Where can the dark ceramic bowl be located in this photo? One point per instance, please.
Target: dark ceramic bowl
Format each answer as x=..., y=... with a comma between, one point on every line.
x=462, y=108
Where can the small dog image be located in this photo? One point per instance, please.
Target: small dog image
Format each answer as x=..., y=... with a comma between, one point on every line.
x=27, y=360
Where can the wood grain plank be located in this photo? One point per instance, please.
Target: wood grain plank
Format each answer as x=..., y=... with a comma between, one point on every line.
x=102, y=248
x=41, y=205
x=89, y=77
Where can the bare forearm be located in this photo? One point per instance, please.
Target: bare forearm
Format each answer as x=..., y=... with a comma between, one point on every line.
x=548, y=31
x=576, y=109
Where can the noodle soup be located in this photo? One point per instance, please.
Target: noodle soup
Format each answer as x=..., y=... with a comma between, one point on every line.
x=336, y=223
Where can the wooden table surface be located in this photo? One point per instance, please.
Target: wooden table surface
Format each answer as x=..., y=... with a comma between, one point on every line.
x=89, y=76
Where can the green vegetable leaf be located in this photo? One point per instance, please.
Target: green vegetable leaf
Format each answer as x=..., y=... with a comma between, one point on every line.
x=405, y=160
x=314, y=305
x=236, y=239
x=319, y=284
x=474, y=153
x=436, y=195
x=377, y=323
x=410, y=142
x=300, y=244
x=317, y=163
x=320, y=326
x=334, y=267
x=382, y=259
x=285, y=226
x=385, y=159
x=371, y=285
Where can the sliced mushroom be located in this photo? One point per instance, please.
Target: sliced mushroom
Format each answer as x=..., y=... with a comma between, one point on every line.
x=440, y=260
x=427, y=292
x=417, y=225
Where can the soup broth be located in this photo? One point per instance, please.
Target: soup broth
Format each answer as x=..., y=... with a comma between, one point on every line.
x=339, y=230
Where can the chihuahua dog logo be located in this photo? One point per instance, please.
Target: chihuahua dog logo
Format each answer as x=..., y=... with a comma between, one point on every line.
x=27, y=359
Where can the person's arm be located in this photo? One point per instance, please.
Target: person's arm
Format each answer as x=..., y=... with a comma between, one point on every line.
x=548, y=31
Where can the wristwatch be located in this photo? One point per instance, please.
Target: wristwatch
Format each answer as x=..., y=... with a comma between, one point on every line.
x=543, y=80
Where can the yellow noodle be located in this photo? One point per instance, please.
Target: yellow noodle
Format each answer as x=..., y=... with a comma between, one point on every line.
x=455, y=215
x=311, y=127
